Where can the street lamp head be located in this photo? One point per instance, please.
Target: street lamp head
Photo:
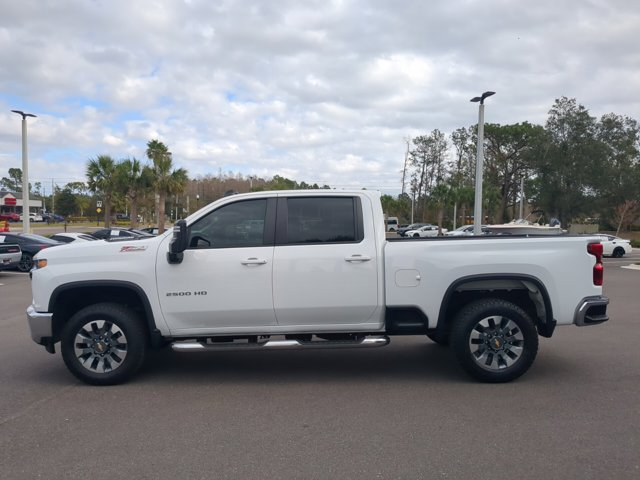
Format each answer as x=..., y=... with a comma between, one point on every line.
x=24, y=115
x=482, y=97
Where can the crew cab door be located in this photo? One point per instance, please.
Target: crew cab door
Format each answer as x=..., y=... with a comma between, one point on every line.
x=225, y=277
x=325, y=269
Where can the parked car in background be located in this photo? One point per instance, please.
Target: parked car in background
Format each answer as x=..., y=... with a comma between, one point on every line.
x=151, y=230
x=392, y=224
x=9, y=217
x=109, y=233
x=614, y=246
x=33, y=217
x=10, y=255
x=414, y=226
x=426, y=231
x=30, y=244
x=68, y=237
x=52, y=217
x=467, y=230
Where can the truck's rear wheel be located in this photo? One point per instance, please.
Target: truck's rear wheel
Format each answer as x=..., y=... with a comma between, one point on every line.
x=104, y=344
x=494, y=340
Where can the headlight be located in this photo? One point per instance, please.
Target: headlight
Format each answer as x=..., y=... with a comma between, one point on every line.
x=39, y=263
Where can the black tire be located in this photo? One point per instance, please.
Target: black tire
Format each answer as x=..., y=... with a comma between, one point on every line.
x=439, y=339
x=618, y=252
x=104, y=344
x=416, y=235
x=494, y=340
x=26, y=262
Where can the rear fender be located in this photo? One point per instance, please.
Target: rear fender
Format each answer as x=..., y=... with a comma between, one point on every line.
x=498, y=286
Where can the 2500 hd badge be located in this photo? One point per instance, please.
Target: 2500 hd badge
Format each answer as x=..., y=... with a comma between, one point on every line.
x=185, y=294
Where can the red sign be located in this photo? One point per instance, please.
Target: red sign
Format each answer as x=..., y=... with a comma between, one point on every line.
x=9, y=201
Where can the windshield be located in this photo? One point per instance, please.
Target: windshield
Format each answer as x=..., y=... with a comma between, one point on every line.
x=39, y=238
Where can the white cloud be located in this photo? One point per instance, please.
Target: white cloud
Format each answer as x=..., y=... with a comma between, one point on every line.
x=317, y=91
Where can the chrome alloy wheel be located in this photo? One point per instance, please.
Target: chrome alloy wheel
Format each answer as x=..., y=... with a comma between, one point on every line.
x=100, y=346
x=496, y=343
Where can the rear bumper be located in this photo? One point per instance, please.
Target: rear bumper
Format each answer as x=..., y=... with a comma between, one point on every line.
x=591, y=311
x=41, y=326
x=10, y=263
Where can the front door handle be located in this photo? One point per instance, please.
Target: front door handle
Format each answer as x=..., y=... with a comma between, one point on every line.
x=358, y=258
x=253, y=261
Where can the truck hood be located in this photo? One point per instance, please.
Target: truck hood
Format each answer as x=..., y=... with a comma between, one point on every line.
x=100, y=250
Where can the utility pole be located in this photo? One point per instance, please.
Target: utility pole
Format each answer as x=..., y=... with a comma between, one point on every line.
x=406, y=158
x=522, y=197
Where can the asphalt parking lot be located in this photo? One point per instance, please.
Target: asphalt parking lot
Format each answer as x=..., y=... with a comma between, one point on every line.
x=405, y=411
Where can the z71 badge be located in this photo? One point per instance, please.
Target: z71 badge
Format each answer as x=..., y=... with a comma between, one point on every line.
x=133, y=248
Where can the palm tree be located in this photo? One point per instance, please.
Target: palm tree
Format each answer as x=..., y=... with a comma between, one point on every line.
x=440, y=196
x=133, y=179
x=101, y=179
x=166, y=180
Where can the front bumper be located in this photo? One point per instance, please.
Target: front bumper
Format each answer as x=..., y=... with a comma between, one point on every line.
x=591, y=311
x=41, y=326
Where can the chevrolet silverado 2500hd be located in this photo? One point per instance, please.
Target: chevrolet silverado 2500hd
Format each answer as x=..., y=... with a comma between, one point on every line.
x=309, y=269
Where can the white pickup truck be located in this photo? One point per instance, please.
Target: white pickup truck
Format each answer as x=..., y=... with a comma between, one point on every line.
x=309, y=269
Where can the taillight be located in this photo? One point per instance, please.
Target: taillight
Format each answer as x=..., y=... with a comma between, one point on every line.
x=595, y=249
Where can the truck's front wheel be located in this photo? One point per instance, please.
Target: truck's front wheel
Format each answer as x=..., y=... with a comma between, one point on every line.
x=494, y=340
x=104, y=344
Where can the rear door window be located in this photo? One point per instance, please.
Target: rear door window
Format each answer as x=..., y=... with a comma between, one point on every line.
x=319, y=220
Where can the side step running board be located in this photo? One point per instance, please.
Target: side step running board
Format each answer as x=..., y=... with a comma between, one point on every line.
x=195, y=346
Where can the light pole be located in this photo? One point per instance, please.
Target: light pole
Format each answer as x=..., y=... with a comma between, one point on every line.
x=25, y=172
x=477, y=208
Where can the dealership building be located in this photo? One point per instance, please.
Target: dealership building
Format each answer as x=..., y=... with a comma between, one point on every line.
x=12, y=202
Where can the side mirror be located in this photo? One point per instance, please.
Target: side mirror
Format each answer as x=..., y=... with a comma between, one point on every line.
x=178, y=243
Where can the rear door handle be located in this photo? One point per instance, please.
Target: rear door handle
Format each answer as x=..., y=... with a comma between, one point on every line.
x=358, y=258
x=253, y=261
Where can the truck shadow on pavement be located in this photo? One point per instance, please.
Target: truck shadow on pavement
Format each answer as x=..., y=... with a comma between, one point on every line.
x=418, y=362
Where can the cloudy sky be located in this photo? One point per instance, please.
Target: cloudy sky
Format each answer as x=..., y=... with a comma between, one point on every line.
x=317, y=91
